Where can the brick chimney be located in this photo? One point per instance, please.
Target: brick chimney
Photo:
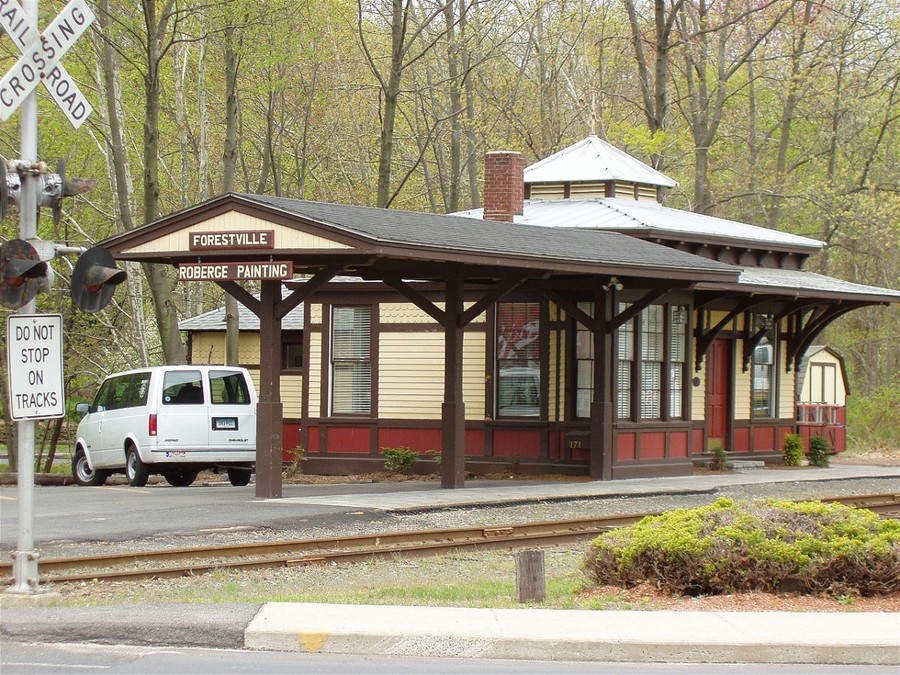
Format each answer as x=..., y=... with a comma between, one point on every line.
x=504, y=185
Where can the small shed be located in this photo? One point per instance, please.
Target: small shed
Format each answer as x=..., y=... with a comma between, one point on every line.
x=822, y=403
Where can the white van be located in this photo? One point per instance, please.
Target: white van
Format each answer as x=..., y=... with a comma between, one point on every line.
x=169, y=420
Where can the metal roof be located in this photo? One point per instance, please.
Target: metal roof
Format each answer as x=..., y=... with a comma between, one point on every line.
x=214, y=320
x=809, y=284
x=593, y=159
x=247, y=320
x=646, y=218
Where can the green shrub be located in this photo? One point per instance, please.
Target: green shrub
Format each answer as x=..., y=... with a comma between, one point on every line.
x=399, y=460
x=792, y=454
x=732, y=546
x=819, y=450
x=295, y=468
x=720, y=459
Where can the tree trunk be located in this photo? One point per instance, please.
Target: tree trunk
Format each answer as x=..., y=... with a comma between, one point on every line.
x=160, y=285
x=229, y=162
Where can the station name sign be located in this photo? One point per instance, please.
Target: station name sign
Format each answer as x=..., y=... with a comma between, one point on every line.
x=234, y=241
x=242, y=271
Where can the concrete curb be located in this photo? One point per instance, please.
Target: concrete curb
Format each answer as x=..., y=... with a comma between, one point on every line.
x=460, y=632
x=579, y=635
x=214, y=626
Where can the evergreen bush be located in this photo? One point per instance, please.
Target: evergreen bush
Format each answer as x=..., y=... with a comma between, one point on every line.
x=720, y=459
x=792, y=453
x=733, y=546
x=398, y=460
x=819, y=450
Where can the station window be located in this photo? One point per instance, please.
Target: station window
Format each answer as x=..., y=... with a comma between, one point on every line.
x=763, y=368
x=651, y=352
x=518, y=329
x=292, y=350
x=351, y=361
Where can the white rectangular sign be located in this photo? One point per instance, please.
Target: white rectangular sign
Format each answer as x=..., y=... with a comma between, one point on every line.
x=35, y=360
x=40, y=56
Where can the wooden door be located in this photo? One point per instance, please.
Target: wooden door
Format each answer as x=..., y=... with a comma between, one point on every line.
x=718, y=392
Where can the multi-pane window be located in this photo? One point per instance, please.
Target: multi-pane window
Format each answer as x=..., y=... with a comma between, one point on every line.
x=677, y=358
x=651, y=357
x=762, y=364
x=624, y=365
x=584, y=365
x=351, y=366
x=652, y=341
x=518, y=359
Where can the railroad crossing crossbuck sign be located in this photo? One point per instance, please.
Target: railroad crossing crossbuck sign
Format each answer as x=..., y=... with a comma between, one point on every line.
x=40, y=59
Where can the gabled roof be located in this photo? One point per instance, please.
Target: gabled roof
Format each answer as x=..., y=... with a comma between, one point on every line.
x=652, y=219
x=591, y=160
x=362, y=237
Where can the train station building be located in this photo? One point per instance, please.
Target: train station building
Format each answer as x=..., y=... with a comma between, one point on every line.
x=574, y=325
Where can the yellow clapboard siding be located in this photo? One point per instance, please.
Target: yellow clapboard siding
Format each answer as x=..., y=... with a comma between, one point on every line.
x=698, y=395
x=291, y=394
x=285, y=237
x=315, y=374
x=786, y=386
x=742, y=387
x=411, y=375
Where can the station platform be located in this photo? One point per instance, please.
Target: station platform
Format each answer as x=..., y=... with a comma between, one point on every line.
x=415, y=496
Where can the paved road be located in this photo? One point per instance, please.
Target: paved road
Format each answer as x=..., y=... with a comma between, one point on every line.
x=71, y=513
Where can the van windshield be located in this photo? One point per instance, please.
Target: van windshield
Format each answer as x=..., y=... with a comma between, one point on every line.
x=182, y=387
x=228, y=386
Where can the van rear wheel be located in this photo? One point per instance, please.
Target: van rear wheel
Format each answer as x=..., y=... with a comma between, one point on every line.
x=239, y=477
x=135, y=470
x=84, y=474
x=181, y=478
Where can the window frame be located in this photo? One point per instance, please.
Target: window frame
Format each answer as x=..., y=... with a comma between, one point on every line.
x=767, y=371
x=636, y=333
x=291, y=339
x=340, y=365
x=529, y=366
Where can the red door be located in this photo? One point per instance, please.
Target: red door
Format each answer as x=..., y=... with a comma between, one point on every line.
x=718, y=390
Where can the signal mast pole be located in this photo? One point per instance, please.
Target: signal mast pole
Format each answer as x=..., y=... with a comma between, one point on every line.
x=25, y=558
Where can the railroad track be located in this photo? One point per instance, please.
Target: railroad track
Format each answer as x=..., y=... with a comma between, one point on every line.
x=169, y=563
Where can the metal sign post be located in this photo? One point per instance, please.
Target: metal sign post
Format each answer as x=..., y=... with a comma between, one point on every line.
x=38, y=63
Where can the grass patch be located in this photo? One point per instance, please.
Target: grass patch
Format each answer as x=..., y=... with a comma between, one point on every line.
x=62, y=468
x=484, y=579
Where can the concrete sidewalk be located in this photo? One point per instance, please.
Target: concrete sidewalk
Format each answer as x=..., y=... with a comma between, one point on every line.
x=542, y=634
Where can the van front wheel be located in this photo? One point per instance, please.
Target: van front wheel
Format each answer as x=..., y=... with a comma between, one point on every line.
x=239, y=477
x=135, y=470
x=84, y=474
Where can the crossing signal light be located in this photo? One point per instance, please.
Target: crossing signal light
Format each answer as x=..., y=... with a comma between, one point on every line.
x=22, y=273
x=50, y=188
x=94, y=280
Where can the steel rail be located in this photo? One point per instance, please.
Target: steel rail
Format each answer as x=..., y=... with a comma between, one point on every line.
x=353, y=548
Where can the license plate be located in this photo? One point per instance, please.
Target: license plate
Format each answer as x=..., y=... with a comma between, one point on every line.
x=224, y=423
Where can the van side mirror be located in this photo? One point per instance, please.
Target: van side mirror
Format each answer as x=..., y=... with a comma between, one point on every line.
x=83, y=408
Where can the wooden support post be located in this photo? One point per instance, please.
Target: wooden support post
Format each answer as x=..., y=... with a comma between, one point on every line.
x=453, y=411
x=530, y=582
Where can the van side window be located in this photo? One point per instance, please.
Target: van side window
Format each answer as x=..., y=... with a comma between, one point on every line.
x=117, y=394
x=136, y=391
x=101, y=400
x=182, y=387
x=227, y=386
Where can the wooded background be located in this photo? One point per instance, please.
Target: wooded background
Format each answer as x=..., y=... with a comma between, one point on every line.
x=781, y=113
